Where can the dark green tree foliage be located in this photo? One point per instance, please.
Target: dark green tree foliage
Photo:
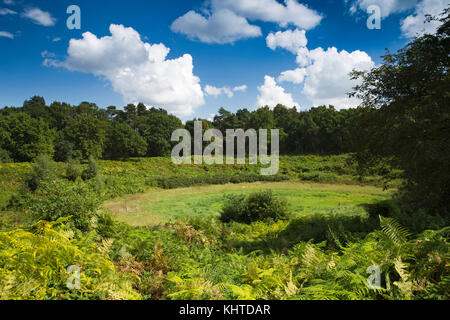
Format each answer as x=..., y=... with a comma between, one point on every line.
x=64, y=149
x=73, y=170
x=123, y=142
x=61, y=198
x=258, y=206
x=36, y=108
x=91, y=171
x=43, y=171
x=408, y=119
x=156, y=127
x=87, y=134
x=24, y=137
x=85, y=130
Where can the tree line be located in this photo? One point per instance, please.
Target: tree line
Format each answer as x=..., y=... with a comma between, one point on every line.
x=64, y=131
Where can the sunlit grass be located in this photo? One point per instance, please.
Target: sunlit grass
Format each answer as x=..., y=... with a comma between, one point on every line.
x=159, y=206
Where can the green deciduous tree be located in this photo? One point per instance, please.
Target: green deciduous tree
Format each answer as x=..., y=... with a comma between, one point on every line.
x=123, y=142
x=26, y=137
x=409, y=120
x=87, y=134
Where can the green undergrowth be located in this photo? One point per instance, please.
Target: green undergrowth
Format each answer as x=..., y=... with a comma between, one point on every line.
x=137, y=175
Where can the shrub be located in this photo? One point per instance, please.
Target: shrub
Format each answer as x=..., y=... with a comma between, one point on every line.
x=420, y=220
x=383, y=208
x=43, y=171
x=259, y=206
x=91, y=171
x=61, y=198
x=4, y=156
x=73, y=170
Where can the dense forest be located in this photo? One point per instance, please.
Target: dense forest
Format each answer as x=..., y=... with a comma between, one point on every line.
x=65, y=131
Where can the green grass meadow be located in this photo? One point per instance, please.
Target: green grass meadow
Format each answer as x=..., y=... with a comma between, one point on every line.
x=161, y=206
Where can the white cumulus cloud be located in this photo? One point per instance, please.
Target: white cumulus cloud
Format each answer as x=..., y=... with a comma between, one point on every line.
x=242, y=88
x=415, y=25
x=139, y=71
x=290, y=13
x=226, y=21
x=39, y=17
x=6, y=34
x=324, y=73
x=296, y=76
x=291, y=40
x=215, y=92
x=222, y=26
x=271, y=94
x=327, y=79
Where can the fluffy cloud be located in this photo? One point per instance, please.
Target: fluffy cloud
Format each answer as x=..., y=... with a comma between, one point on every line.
x=242, y=88
x=223, y=26
x=291, y=40
x=327, y=79
x=139, y=71
x=295, y=76
x=270, y=94
x=8, y=1
x=225, y=21
x=6, y=11
x=6, y=34
x=387, y=7
x=215, y=92
x=39, y=17
x=415, y=24
x=289, y=13
x=324, y=73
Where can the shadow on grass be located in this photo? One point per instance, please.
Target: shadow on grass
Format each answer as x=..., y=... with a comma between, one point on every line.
x=336, y=230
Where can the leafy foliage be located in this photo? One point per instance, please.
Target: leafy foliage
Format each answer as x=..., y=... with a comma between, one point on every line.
x=91, y=171
x=407, y=99
x=33, y=265
x=73, y=170
x=43, y=171
x=258, y=206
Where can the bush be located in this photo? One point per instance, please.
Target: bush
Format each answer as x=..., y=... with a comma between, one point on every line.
x=43, y=171
x=259, y=206
x=61, y=198
x=421, y=220
x=91, y=171
x=73, y=170
x=383, y=208
x=4, y=156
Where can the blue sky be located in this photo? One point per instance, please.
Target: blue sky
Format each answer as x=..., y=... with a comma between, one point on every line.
x=34, y=57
